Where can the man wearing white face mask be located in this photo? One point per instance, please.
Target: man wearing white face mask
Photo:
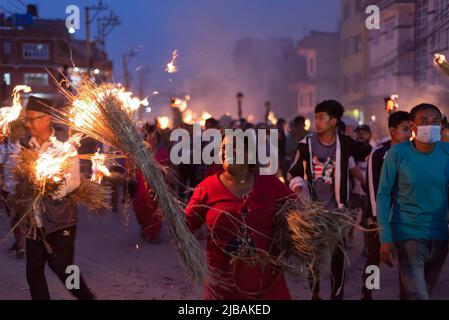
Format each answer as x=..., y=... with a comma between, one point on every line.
x=412, y=204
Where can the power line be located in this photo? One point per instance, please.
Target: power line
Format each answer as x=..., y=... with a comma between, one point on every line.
x=23, y=4
x=12, y=4
x=6, y=10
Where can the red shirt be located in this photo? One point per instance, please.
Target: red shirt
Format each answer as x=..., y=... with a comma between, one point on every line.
x=221, y=210
x=142, y=198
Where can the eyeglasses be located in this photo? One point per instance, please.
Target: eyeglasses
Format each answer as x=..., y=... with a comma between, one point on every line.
x=26, y=120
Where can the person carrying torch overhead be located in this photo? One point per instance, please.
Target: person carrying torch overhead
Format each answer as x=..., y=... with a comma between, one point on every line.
x=56, y=218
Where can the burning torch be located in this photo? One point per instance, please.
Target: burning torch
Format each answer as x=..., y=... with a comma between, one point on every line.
x=440, y=61
x=391, y=104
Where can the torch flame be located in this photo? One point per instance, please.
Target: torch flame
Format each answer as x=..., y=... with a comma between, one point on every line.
x=164, y=122
x=180, y=104
x=99, y=170
x=10, y=114
x=440, y=58
x=273, y=120
x=52, y=163
x=84, y=109
x=171, y=68
x=188, y=117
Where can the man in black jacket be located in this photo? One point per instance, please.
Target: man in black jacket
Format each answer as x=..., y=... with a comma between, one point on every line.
x=321, y=166
x=56, y=218
x=400, y=131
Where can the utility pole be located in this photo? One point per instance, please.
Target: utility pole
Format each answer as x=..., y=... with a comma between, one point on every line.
x=87, y=40
x=97, y=8
x=126, y=58
x=142, y=79
x=105, y=25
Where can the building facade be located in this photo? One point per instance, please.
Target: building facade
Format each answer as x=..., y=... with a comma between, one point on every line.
x=34, y=50
x=320, y=50
x=353, y=57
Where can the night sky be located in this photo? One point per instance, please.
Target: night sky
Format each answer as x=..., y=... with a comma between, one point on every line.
x=203, y=31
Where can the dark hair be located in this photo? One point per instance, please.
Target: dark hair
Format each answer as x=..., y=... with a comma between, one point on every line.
x=395, y=119
x=299, y=120
x=422, y=107
x=332, y=107
x=444, y=122
x=212, y=122
x=341, y=127
x=150, y=129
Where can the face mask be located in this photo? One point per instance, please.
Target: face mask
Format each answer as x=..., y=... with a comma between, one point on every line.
x=428, y=134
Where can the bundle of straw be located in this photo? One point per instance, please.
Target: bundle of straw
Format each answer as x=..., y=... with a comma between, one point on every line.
x=105, y=113
x=94, y=196
x=309, y=233
x=31, y=189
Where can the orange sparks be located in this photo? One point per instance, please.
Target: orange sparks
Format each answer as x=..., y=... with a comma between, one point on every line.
x=99, y=170
x=171, y=68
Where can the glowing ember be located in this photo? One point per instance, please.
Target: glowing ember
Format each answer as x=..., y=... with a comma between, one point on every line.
x=440, y=58
x=272, y=118
x=52, y=163
x=441, y=62
x=180, y=104
x=392, y=104
x=99, y=170
x=164, y=122
x=307, y=124
x=188, y=117
x=171, y=68
x=206, y=115
x=10, y=114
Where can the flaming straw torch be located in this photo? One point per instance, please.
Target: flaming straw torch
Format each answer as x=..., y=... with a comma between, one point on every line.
x=440, y=61
x=10, y=114
x=103, y=113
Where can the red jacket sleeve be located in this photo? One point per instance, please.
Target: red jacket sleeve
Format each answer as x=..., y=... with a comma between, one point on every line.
x=196, y=209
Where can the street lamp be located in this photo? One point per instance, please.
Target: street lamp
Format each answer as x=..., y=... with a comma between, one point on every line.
x=239, y=104
x=267, y=110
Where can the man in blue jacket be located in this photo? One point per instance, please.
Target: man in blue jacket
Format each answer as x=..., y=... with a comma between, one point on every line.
x=412, y=204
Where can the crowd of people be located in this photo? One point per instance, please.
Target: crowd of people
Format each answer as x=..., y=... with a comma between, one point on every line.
x=400, y=188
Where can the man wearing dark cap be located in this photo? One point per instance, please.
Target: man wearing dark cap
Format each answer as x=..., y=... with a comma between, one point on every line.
x=56, y=218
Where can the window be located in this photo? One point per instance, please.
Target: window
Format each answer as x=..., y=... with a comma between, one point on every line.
x=352, y=45
x=7, y=47
x=441, y=9
x=311, y=66
x=35, y=51
x=311, y=98
x=36, y=79
x=421, y=19
x=421, y=63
